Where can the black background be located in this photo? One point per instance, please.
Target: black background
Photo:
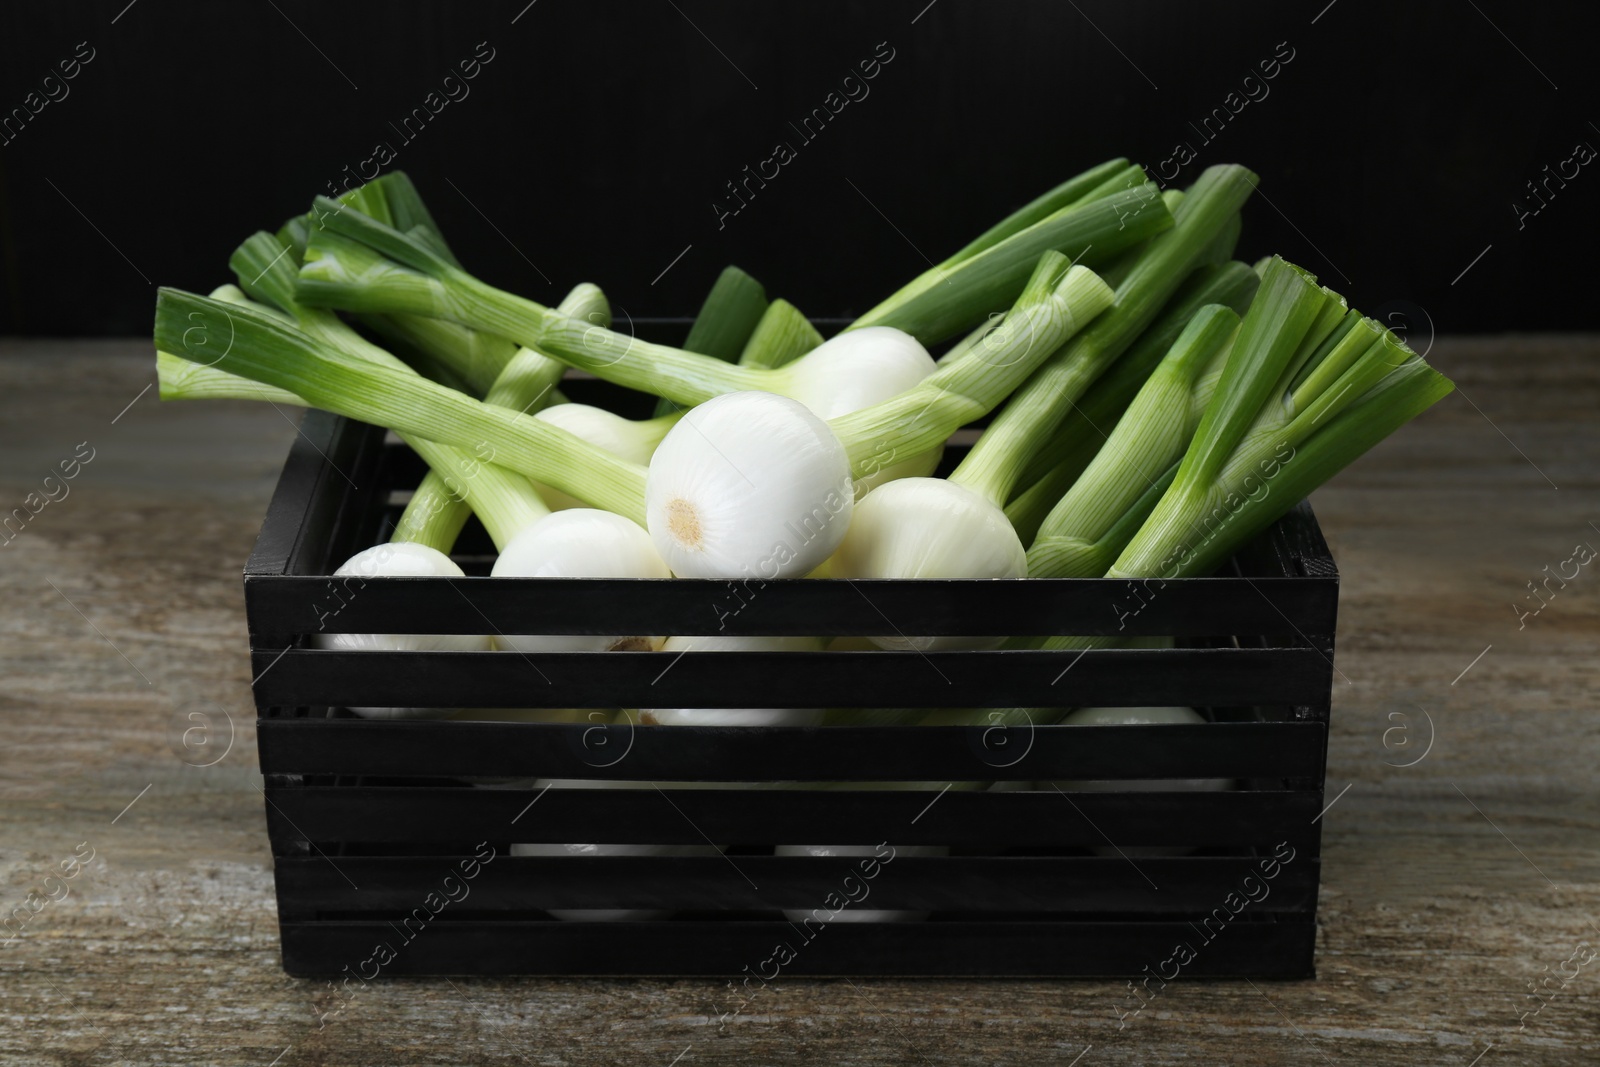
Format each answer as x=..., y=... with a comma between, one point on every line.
x=1392, y=147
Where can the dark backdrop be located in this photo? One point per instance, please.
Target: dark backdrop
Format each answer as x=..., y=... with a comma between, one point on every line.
x=1395, y=142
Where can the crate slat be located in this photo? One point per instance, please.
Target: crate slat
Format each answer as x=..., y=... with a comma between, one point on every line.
x=388, y=887
x=791, y=753
x=1125, y=677
x=684, y=816
x=961, y=607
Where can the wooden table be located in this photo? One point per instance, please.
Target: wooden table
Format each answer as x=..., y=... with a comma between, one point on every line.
x=1450, y=885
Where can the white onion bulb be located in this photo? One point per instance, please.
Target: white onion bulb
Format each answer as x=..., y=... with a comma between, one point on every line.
x=852, y=914
x=735, y=716
x=578, y=851
x=748, y=485
x=857, y=369
x=632, y=441
x=580, y=543
x=1129, y=716
x=929, y=528
x=409, y=560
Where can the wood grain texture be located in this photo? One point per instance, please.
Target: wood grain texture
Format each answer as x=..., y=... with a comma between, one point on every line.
x=1448, y=885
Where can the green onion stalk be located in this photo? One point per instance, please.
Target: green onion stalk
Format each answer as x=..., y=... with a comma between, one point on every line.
x=360, y=264
x=1230, y=283
x=777, y=513
x=1097, y=179
x=523, y=384
x=1147, y=440
x=523, y=379
x=1054, y=468
x=957, y=527
x=732, y=310
x=728, y=317
x=998, y=460
x=737, y=324
x=449, y=353
x=1092, y=218
x=504, y=500
x=1308, y=387
x=782, y=336
x=851, y=372
x=1113, y=274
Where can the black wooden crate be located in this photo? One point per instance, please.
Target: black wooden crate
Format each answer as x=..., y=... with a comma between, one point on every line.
x=369, y=818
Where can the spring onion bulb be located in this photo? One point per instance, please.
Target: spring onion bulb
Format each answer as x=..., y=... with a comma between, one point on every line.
x=942, y=528
x=524, y=384
x=630, y=439
x=348, y=265
x=1133, y=716
x=784, y=335
x=748, y=480
x=735, y=716
x=397, y=559
x=580, y=543
x=929, y=528
x=577, y=853
x=850, y=913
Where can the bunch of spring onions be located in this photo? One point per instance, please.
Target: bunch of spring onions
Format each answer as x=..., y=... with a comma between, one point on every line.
x=1136, y=391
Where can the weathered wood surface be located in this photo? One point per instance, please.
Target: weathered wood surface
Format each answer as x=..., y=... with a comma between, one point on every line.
x=1450, y=885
